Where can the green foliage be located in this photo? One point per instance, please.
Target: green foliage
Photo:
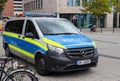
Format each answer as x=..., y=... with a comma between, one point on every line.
x=116, y=3
x=97, y=7
x=2, y=2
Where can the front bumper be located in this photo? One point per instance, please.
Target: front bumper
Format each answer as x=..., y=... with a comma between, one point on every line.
x=62, y=63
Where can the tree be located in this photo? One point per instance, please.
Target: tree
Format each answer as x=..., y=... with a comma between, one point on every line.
x=116, y=4
x=2, y=3
x=97, y=8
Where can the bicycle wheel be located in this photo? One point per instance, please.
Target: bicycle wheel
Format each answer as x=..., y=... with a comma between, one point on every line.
x=21, y=75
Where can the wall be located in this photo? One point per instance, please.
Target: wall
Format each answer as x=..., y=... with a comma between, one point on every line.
x=64, y=8
x=8, y=9
x=109, y=20
x=48, y=6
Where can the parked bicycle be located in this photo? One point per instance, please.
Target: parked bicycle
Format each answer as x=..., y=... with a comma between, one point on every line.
x=15, y=72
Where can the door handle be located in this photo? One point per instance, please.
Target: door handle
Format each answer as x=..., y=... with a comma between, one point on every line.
x=19, y=36
x=23, y=37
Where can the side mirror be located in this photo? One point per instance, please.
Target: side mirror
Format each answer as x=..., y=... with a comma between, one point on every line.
x=29, y=35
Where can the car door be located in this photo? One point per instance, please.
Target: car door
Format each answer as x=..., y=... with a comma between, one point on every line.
x=28, y=44
x=13, y=35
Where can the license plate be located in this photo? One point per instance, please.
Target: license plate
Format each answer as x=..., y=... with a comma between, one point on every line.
x=83, y=62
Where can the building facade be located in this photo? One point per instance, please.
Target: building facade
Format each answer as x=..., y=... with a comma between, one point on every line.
x=12, y=8
x=40, y=6
x=18, y=7
x=69, y=9
x=8, y=9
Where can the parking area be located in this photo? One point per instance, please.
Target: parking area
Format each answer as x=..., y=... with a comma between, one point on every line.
x=108, y=66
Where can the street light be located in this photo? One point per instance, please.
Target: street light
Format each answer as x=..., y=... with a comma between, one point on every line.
x=58, y=9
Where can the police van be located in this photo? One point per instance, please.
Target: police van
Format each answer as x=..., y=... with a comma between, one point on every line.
x=52, y=44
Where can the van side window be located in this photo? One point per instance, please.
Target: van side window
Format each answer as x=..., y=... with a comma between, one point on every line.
x=10, y=26
x=30, y=28
x=15, y=26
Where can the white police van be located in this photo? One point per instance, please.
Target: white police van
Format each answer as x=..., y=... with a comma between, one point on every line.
x=52, y=44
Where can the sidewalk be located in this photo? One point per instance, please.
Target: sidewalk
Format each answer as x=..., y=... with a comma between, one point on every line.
x=108, y=36
x=103, y=31
x=108, y=43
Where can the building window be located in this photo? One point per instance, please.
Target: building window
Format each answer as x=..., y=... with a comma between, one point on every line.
x=34, y=5
x=18, y=7
x=84, y=2
x=41, y=4
x=26, y=7
x=30, y=6
x=73, y=2
x=70, y=2
x=17, y=3
x=77, y=2
x=91, y=1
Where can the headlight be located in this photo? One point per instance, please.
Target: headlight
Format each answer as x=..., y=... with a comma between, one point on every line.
x=94, y=43
x=95, y=48
x=55, y=49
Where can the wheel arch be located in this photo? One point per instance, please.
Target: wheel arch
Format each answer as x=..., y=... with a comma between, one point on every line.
x=38, y=55
x=5, y=45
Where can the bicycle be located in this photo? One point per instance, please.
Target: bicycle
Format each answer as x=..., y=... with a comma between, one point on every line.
x=15, y=72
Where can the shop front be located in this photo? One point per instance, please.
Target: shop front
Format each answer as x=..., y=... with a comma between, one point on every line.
x=84, y=20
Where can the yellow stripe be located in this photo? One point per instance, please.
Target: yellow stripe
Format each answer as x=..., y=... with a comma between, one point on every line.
x=36, y=43
x=53, y=43
x=22, y=51
x=10, y=34
x=27, y=40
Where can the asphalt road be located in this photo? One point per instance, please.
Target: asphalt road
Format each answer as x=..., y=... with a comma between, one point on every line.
x=108, y=68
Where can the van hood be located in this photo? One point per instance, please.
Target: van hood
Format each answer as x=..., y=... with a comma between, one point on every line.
x=69, y=41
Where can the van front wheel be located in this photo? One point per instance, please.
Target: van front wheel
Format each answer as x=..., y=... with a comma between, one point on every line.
x=41, y=66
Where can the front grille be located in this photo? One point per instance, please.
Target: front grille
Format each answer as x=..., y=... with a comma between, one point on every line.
x=80, y=52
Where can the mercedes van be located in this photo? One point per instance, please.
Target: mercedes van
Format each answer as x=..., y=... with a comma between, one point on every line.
x=52, y=44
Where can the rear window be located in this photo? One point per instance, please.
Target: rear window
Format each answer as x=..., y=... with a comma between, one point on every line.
x=15, y=26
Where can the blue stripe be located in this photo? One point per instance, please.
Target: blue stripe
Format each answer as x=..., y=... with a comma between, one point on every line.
x=22, y=44
x=71, y=41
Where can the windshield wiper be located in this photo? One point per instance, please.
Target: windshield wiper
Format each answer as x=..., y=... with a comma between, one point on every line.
x=61, y=34
x=53, y=34
x=67, y=33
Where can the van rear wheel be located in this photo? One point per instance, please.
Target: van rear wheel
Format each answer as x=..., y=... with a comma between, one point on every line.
x=41, y=66
x=7, y=51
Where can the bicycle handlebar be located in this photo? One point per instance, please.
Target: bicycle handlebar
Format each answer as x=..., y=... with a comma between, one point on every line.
x=6, y=59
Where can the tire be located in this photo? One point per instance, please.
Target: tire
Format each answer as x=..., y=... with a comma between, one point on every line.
x=21, y=75
x=7, y=52
x=41, y=66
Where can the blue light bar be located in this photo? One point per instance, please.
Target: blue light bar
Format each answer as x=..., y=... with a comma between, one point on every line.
x=39, y=14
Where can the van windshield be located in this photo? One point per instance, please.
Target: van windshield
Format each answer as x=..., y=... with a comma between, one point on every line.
x=56, y=27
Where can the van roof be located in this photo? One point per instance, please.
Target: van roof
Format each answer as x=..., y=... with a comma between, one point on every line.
x=33, y=18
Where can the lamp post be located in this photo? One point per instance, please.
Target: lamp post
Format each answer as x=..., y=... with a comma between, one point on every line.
x=58, y=15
